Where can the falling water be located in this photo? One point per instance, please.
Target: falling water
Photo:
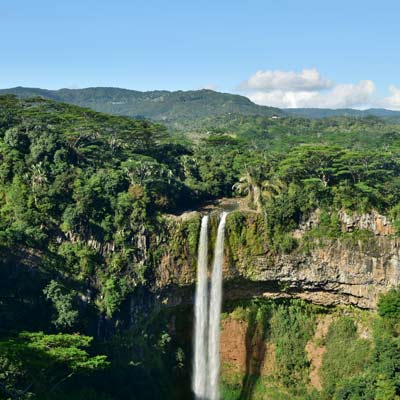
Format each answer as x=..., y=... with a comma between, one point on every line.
x=199, y=383
x=206, y=344
x=215, y=314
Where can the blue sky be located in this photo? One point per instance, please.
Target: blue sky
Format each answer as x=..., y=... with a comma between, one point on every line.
x=190, y=44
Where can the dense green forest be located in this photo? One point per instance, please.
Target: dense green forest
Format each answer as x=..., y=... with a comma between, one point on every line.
x=84, y=205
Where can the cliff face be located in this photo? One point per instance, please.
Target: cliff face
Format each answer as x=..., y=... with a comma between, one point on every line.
x=348, y=271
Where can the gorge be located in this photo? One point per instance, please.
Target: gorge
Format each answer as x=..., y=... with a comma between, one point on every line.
x=102, y=226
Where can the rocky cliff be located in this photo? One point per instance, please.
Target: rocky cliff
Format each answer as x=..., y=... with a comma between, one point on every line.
x=350, y=270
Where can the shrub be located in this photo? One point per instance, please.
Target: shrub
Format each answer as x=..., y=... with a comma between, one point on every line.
x=389, y=304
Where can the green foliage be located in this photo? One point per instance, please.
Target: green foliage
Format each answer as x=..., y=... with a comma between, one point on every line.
x=358, y=388
x=245, y=238
x=291, y=327
x=84, y=192
x=62, y=301
x=114, y=291
x=151, y=357
x=353, y=367
x=385, y=390
x=285, y=326
x=185, y=239
x=346, y=356
x=326, y=230
x=36, y=365
x=389, y=305
x=285, y=133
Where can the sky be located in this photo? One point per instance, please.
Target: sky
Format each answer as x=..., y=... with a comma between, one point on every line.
x=285, y=53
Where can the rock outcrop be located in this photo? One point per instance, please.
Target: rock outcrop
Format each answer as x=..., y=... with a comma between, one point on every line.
x=347, y=271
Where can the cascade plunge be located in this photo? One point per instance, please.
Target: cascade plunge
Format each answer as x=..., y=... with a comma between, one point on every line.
x=215, y=314
x=199, y=383
x=205, y=383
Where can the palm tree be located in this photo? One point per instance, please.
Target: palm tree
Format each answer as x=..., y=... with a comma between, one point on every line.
x=38, y=179
x=189, y=165
x=272, y=187
x=257, y=188
x=250, y=184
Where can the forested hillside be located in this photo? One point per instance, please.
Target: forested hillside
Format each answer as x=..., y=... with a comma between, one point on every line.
x=172, y=108
x=182, y=108
x=281, y=134
x=88, y=206
x=389, y=115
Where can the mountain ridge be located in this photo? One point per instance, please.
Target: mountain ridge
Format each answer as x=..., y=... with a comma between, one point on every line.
x=159, y=105
x=175, y=107
x=316, y=112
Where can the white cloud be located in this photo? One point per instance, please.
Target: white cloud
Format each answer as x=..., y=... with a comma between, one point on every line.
x=306, y=80
x=358, y=95
x=288, y=89
x=392, y=102
x=282, y=99
x=210, y=86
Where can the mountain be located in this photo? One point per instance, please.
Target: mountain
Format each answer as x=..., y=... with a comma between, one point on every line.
x=179, y=109
x=314, y=113
x=159, y=105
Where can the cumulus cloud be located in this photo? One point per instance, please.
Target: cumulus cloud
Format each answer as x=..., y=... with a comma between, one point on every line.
x=358, y=95
x=282, y=98
x=392, y=102
x=306, y=80
x=288, y=89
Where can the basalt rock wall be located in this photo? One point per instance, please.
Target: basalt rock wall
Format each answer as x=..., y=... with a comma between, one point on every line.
x=346, y=271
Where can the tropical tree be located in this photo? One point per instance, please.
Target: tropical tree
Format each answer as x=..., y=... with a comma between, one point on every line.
x=250, y=185
x=34, y=363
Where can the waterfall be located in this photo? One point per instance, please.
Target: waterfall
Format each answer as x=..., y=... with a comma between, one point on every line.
x=200, y=315
x=215, y=314
x=206, y=362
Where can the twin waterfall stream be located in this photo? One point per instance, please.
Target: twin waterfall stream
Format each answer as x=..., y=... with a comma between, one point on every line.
x=207, y=311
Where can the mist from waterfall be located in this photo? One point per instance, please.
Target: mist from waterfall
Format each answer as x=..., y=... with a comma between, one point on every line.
x=206, y=363
x=201, y=316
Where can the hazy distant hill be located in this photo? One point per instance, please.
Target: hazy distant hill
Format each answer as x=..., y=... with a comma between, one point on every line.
x=344, y=112
x=159, y=105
